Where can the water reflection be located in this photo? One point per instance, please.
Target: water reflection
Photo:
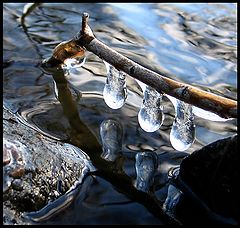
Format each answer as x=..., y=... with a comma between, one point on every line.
x=173, y=197
x=111, y=133
x=62, y=203
x=194, y=43
x=107, y=159
x=186, y=35
x=146, y=166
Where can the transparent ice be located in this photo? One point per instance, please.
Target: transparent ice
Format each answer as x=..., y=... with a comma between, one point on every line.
x=182, y=134
x=146, y=166
x=115, y=91
x=111, y=134
x=172, y=199
x=151, y=116
x=71, y=65
x=201, y=112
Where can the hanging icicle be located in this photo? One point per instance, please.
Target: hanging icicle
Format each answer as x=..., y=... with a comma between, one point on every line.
x=200, y=112
x=182, y=134
x=115, y=91
x=151, y=116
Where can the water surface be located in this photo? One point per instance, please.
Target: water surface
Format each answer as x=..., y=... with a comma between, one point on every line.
x=192, y=43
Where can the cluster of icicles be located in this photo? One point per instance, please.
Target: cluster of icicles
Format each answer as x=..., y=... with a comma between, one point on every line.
x=151, y=115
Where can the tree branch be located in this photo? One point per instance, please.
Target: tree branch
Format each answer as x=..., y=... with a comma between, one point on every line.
x=221, y=106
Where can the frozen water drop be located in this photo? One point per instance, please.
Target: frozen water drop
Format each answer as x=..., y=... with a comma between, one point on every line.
x=146, y=166
x=200, y=112
x=115, y=91
x=71, y=65
x=150, y=116
x=182, y=134
x=111, y=133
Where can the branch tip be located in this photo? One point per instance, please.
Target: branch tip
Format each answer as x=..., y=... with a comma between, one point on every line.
x=85, y=17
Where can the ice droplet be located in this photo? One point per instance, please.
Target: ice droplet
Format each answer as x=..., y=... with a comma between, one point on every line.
x=111, y=133
x=182, y=134
x=115, y=91
x=150, y=116
x=71, y=65
x=146, y=166
x=201, y=112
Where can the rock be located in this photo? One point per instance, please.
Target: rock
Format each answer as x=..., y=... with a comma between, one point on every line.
x=6, y=156
x=35, y=169
x=212, y=174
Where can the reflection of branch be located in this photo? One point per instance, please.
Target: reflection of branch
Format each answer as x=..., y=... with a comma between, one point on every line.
x=110, y=171
x=124, y=184
x=70, y=110
x=28, y=8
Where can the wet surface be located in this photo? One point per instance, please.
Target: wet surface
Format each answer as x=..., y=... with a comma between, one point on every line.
x=37, y=170
x=193, y=43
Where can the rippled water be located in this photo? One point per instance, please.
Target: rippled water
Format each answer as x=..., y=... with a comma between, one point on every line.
x=193, y=43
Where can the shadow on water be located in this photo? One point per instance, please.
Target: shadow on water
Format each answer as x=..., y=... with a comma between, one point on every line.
x=71, y=109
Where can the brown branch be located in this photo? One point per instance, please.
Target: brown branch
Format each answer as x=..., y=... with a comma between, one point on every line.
x=84, y=23
x=222, y=106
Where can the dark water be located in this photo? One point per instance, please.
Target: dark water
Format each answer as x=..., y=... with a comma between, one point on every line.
x=193, y=43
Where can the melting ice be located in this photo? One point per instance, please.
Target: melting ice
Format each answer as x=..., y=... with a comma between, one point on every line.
x=201, y=112
x=182, y=134
x=150, y=116
x=115, y=91
x=72, y=64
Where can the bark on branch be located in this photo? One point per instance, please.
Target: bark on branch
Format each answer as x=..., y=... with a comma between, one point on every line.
x=221, y=106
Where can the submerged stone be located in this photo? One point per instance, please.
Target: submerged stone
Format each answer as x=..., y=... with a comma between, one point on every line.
x=34, y=168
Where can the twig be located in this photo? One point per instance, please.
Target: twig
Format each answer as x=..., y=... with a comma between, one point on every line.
x=222, y=106
x=84, y=23
x=28, y=9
